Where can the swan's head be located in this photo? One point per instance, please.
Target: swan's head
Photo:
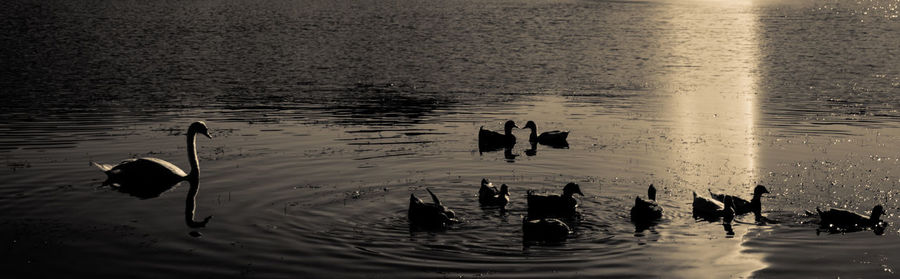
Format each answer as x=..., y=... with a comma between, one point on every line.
x=199, y=127
x=530, y=125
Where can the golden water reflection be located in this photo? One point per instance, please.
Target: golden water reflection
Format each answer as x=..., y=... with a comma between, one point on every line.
x=711, y=101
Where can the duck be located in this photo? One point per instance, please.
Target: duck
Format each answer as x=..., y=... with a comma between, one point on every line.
x=490, y=140
x=488, y=195
x=645, y=211
x=742, y=206
x=548, y=230
x=839, y=220
x=551, y=138
x=149, y=177
x=430, y=216
x=728, y=215
x=707, y=208
x=554, y=206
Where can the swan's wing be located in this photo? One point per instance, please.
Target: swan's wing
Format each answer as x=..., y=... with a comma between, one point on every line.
x=148, y=161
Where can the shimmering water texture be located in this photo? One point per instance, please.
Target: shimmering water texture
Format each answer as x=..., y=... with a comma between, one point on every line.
x=326, y=116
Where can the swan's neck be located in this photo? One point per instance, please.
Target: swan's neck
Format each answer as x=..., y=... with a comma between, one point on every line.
x=192, y=155
x=533, y=136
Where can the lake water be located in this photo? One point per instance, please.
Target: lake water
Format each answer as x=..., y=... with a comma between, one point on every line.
x=326, y=115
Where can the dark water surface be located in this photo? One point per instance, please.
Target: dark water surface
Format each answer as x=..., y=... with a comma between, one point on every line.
x=326, y=115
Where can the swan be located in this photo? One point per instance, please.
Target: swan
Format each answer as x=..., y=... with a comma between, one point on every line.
x=148, y=177
x=563, y=206
x=646, y=211
x=551, y=138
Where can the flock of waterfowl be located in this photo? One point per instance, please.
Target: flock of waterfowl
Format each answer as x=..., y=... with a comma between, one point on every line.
x=549, y=217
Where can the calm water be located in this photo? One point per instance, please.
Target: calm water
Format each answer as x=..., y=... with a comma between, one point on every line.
x=326, y=115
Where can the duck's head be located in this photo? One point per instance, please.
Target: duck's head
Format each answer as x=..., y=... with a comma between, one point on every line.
x=199, y=127
x=759, y=190
x=877, y=212
x=530, y=125
x=504, y=190
x=485, y=182
x=572, y=189
x=509, y=126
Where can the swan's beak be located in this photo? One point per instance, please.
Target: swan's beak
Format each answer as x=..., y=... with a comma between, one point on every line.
x=206, y=133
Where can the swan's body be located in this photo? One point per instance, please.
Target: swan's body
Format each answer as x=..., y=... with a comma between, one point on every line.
x=646, y=211
x=553, y=206
x=838, y=220
x=429, y=216
x=551, y=138
x=489, y=195
x=489, y=140
x=148, y=177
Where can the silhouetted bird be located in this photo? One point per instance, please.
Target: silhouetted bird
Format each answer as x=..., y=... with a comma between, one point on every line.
x=551, y=138
x=149, y=177
x=742, y=206
x=728, y=215
x=838, y=220
x=646, y=211
x=490, y=140
x=554, y=206
x=489, y=195
x=707, y=208
x=430, y=216
x=544, y=230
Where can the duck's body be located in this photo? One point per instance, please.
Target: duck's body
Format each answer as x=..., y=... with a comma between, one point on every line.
x=148, y=177
x=545, y=230
x=429, y=216
x=846, y=221
x=742, y=206
x=554, y=206
x=551, y=138
x=489, y=140
x=488, y=195
x=728, y=215
x=707, y=208
x=645, y=211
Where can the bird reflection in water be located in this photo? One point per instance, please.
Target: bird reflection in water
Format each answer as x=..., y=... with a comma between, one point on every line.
x=148, y=178
x=190, y=206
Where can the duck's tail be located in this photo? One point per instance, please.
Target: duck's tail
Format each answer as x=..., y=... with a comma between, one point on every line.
x=434, y=197
x=818, y=210
x=414, y=200
x=103, y=167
